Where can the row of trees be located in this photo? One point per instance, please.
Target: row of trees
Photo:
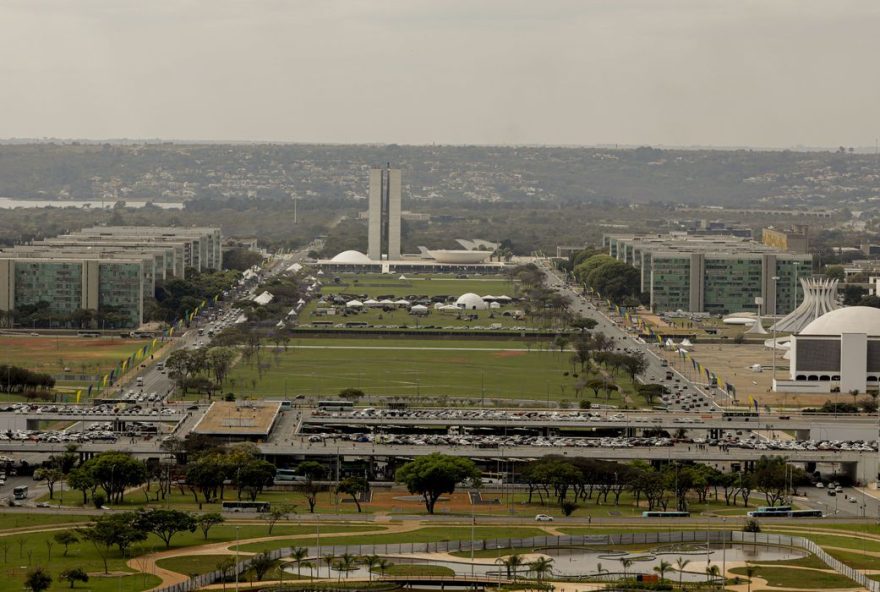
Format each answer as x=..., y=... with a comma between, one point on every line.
x=41, y=314
x=570, y=481
x=14, y=379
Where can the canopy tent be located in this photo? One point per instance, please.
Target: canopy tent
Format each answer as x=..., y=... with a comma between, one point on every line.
x=354, y=304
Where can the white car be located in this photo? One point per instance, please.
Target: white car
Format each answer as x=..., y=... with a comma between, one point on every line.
x=543, y=518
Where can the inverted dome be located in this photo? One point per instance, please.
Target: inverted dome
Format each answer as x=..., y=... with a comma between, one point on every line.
x=471, y=301
x=351, y=257
x=852, y=319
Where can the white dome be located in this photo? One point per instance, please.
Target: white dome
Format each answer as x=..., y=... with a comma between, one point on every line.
x=471, y=301
x=351, y=257
x=852, y=319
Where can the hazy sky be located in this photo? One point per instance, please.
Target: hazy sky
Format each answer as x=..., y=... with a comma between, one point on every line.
x=772, y=73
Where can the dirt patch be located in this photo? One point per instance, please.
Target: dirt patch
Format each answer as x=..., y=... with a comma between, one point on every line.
x=509, y=354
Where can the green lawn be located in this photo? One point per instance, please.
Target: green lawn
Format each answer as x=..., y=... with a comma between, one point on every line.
x=414, y=569
x=21, y=520
x=810, y=561
x=855, y=559
x=416, y=367
x=825, y=540
x=190, y=565
x=421, y=535
x=52, y=354
x=375, y=285
x=781, y=577
x=434, y=321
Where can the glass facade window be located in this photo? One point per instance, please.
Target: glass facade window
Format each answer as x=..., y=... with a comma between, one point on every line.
x=671, y=283
x=59, y=284
x=731, y=285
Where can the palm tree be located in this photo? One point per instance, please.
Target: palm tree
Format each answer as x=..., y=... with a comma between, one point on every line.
x=541, y=566
x=662, y=568
x=298, y=554
x=626, y=562
x=370, y=561
x=680, y=564
x=328, y=559
x=383, y=565
x=347, y=563
x=712, y=571
x=310, y=566
x=751, y=570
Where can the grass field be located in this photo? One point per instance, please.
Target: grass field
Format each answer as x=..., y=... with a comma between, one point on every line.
x=429, y=534
x=52, y=354
x=375, y=285
x=781, y=577
x=415, y=367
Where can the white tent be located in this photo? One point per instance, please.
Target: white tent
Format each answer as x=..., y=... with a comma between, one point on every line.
x=354, y=304
x=686, y=342
x=295, y=267
x=371, y=302
x=403, y=302
x=386, y=302
x=449, y=307
x=488, y=297
x=418, y=309
x=504, y=298
x=320, y=272
x=670, y=343
x=300, y=301
x=494, y=305
x=264, y=298
x=403, y=277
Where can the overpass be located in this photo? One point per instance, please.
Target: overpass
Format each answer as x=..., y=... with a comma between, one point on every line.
x=807, y=426
x=29, y=421
x=862, y=466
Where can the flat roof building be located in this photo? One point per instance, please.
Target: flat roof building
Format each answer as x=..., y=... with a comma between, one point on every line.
x=106, y=270
x=714, y=274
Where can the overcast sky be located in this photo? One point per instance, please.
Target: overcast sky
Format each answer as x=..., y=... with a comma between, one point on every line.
x=771, y=73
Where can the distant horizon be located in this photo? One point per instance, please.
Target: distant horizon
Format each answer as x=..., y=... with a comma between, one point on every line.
x=750, y=74
x=605, y=146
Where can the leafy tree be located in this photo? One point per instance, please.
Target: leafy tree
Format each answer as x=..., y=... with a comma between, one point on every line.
x=206, y=476
x=219, y=360
x=652, y=391
x=351, y=394
x=166, y=523
x=66, y=538
x=312, y=471
x=254, y=476
x=276, y=513
x=634, y=364
x=73, y=575
x=120, y=530
x=208, y=520
x=114, y=472
x=51, y=476
x=435, y=474
x=354, y=487
x=37, y=580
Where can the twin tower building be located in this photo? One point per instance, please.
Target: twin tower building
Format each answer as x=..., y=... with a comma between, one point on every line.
x=383, y=234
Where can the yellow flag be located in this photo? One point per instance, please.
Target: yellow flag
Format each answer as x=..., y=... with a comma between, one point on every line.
x=104, y=382
x=78, y=395
x=153, y=345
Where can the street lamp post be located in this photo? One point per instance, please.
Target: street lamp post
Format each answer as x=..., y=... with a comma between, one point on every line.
x=775, y=279
x=236, y=558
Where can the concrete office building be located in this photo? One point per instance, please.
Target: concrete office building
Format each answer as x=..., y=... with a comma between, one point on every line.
x=68, y=283
x=383, y=231
x=203, y=248
x=714, y=274
x=99, y=268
